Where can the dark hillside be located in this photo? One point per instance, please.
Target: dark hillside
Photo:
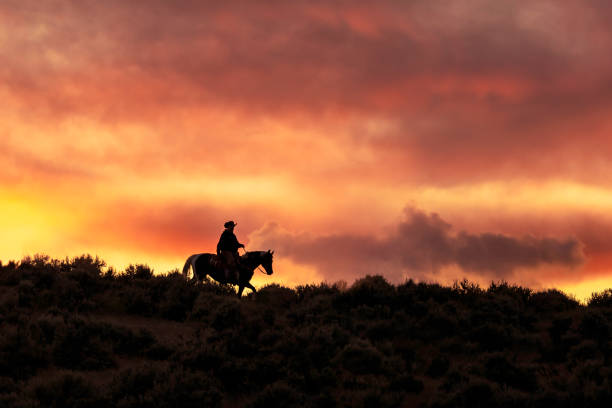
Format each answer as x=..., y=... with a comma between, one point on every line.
x=75, y=334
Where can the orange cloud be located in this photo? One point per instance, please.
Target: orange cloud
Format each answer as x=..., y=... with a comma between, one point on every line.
x=153, y=130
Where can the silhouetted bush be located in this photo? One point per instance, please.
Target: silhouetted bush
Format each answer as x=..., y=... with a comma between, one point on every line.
x=595, y=325
x=227, y=314
x=371, y=290
x=76, y=333
x=601, y=299
x=137, y=272
x=552, y=300
x=276, y=296
x=178, y=299
x=475, y=393
x=360, y=358
x=20, y=357
x=68, y=391
x=438, y=367
x=278, y=394
x=163, y=387
x=500, y=370
x=78, y=347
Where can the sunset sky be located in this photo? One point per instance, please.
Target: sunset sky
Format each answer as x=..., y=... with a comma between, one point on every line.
x=424, y=139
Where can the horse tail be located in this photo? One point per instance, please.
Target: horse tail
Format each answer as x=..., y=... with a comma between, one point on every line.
x=188, y=263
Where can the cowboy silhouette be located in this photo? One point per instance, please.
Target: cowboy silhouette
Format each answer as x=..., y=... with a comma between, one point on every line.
x=227, y=250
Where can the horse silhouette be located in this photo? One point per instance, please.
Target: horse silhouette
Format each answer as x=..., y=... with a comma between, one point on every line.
x=210, y=264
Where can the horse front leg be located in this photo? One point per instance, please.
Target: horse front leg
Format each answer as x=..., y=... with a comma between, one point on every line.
x=240, y=289
x=248, y=285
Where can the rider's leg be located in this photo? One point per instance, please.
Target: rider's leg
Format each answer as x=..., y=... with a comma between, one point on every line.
x=230, y=265
x=237, y=267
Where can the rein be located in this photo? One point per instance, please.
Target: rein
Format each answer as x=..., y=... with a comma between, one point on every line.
x=258, y=266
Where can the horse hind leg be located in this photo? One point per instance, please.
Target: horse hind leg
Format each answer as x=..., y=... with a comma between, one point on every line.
x=188, y=263
x=198, y=274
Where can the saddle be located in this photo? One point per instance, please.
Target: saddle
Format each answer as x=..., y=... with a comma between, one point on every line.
x=217, y=262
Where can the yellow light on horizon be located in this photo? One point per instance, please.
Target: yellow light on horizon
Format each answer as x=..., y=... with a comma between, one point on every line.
x=26, y=224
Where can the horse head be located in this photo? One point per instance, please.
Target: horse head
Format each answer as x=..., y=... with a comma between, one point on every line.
x=266, y=261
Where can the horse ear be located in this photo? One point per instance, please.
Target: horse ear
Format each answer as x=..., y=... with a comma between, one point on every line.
x=271, y=252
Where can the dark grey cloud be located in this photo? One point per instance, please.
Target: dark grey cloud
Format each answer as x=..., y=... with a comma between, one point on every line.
x=420, y=246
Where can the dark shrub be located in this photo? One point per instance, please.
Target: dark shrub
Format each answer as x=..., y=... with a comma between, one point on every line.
x=278, y=394
x=491, y=336
x=20, y=356
x=138, y=301
x=138, y=271
x=438, y=367
x=305, y=292
x=552, y=300
x=235, y=374
x=437, y=325
x=587, y=350
x=275, y=296
x=126, y=341
x=475, y=394
x=70, y=295
x=595, y=325
x=7, y=385
x=500, y=370
x=601, y=299
x=319, y=345
x=323, y=400
x=133, y=383
x=163, y=387
x=377, y=398
x=178, y=388
x=67, y=392
x=590, y=372
x=406, y=383
x=79, y=345
x=520, y=294
x=360, y=358
x=203, y=306
x=78, y=352
x=559, y=327
x=9, y=276
x=454, y=380
x=371, y=290
x=468, y=290
x=227, y=314
x=86, y=271
x=178, y=300
x=26, y=293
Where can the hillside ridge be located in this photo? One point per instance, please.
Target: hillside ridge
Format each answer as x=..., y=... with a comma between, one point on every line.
x=74, y=333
